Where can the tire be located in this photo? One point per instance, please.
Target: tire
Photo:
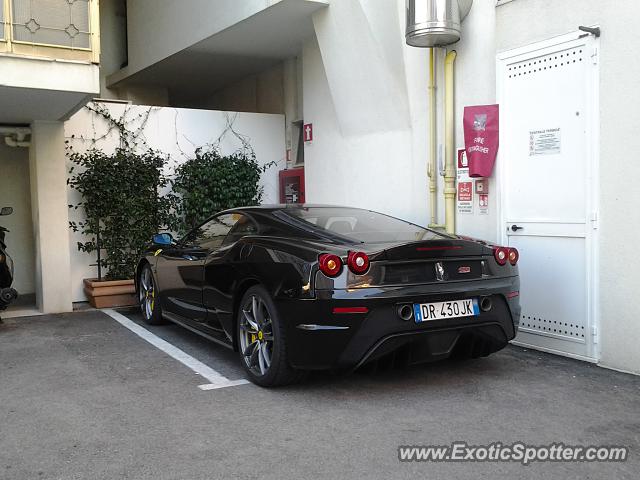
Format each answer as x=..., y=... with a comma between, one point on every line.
x=262, y=341
x=148, y=297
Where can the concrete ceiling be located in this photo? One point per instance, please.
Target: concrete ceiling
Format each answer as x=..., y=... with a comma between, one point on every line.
x=251, y=46
x=34, y=88
x=22, y=105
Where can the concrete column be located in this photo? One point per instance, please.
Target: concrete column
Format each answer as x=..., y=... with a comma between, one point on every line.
x=291, y=109
x=48, y=174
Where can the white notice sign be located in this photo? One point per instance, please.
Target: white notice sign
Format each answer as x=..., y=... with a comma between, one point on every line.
x=544, y=142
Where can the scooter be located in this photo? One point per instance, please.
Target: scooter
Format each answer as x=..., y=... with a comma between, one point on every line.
x=7, y=294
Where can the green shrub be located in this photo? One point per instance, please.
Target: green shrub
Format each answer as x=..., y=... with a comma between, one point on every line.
x=211, y=182
x=120, y=197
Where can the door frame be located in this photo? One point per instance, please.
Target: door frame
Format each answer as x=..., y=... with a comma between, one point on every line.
x=593, y=176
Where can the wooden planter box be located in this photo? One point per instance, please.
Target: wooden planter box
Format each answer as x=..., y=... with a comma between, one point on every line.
x=113, y=293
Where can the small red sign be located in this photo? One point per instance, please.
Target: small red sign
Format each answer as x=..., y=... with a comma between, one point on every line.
x=465, y=191
x=307, y=132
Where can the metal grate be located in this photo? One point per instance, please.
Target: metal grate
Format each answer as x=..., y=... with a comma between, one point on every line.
x=546, y=63
x=551, y=327
x=63, y=23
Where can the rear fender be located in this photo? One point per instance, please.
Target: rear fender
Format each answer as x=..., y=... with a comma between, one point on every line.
x=282, y=272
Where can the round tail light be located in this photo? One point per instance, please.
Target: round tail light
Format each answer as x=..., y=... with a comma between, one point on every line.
x=513, y=256
x=330, y=265
x=501, y=255
x=358, y=262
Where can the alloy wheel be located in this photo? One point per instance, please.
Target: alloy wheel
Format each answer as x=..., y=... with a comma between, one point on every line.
x=147, y=294
x=256, y=335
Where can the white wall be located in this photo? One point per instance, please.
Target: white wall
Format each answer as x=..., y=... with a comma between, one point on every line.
x=176, y=132
x=261, y=93
x=475, y=84
x=15, y=192
x=365, y=92
x=355, y=96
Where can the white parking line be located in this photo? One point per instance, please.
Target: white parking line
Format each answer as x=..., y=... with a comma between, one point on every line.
x=216, y=379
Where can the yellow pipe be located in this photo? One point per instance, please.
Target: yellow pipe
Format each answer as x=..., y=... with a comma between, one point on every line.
x=433, y=142
x=449, y=147
x=431, y=170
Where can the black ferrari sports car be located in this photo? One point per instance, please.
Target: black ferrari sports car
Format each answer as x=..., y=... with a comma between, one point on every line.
x=303, y=287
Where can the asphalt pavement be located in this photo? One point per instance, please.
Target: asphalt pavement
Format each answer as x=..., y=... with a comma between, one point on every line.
x=82, y=397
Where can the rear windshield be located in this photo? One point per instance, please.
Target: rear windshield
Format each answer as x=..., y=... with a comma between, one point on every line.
x=357, y=225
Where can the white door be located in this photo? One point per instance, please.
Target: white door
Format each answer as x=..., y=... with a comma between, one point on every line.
x=548, y=158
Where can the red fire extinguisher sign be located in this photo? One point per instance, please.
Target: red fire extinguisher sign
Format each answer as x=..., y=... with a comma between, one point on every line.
x=307, y=132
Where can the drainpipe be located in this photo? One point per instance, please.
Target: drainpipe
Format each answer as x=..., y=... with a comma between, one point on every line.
x=449, y=147
x=433, y=150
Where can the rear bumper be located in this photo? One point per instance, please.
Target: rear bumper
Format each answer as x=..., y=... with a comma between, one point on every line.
x=319, y=339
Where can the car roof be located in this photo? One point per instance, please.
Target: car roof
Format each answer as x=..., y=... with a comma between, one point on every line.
x=291, y=206
x=283, y=227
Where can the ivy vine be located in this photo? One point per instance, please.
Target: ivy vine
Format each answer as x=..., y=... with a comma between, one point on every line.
x=121, y=192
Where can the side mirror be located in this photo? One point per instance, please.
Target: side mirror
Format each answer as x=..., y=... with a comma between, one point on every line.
x=163, y=239
x=6, y=211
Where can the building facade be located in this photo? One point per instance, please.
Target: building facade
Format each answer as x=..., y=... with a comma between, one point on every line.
x=49, y=69
x=342, y=67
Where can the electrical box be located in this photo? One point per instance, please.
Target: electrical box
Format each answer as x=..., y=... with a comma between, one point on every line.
x=482, y=185
x=292, y=185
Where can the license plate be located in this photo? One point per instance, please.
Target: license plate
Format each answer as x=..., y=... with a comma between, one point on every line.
x=423, y=312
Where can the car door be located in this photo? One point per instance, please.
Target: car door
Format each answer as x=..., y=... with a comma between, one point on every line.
x=179, y=274
x=180, y=270
x=220, y=274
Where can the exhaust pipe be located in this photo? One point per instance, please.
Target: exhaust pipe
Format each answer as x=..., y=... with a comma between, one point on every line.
x=486, y=304
x=405, y=312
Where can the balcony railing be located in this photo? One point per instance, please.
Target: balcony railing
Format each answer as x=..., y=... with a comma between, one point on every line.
x=60, y=29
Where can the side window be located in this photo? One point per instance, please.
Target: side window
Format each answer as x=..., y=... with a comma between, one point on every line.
x=211, y=234
x=244, y=226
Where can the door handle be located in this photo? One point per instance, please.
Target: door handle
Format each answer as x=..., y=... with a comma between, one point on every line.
x=515, y=228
